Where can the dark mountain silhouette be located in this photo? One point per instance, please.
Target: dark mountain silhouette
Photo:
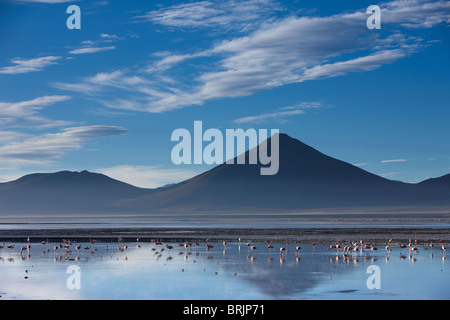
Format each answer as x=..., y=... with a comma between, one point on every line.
x=64, y=192
x=307, y=180
x=441, y=182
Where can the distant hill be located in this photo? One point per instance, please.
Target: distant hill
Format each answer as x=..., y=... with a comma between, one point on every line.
x=441, y=182
x=64, y=192
x=307, y=180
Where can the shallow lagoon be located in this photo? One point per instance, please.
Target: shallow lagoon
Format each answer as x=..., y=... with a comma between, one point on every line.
x=225, y=273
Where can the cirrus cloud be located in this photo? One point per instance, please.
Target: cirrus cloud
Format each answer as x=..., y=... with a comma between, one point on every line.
x=273, y=53
x=29, y=65
x=25, y=113
x=45, y=148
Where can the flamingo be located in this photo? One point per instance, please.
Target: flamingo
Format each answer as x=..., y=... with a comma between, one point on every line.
x=281, y=250
x=388, y=249
x=443, y=248
x=345, y=250
x=269, y=246
x=11, y=246
x=2, y=246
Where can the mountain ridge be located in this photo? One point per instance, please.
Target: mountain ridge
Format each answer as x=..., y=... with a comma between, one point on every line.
x=307, y=180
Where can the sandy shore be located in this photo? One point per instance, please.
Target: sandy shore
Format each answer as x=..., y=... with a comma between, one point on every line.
x=300, y=235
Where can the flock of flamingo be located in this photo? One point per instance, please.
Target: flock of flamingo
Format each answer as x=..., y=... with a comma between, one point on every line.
x=346, y=248
x=361, y=246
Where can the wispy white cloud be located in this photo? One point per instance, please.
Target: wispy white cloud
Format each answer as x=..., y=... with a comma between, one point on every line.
x=29, y=65
x=147, y=176
x=281, y=114
x=389, y=175
x=362, y=164
x=169, y=60
x=394, y=160
x=109, y=37
x=91, y=50
x=219, y=15
x=361, y=64
x=26, y=113
x=8, y=136
x=97, y=45
x=118, y=79
x=416, y=13
x=45, y=148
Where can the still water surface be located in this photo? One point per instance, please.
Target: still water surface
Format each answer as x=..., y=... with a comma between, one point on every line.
x=226, y=273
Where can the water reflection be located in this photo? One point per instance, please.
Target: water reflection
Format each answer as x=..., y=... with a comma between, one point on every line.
x=218, y=270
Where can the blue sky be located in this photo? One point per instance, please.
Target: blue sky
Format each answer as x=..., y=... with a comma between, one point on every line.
x=107, y=98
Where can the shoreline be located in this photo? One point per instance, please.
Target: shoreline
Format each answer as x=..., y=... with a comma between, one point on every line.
x=176, y=234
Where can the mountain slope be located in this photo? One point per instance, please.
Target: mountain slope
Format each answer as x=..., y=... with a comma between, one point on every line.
x=64, y=192
x=306, y=179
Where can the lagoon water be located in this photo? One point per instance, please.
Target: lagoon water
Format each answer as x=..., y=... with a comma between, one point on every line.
x=231, y=273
